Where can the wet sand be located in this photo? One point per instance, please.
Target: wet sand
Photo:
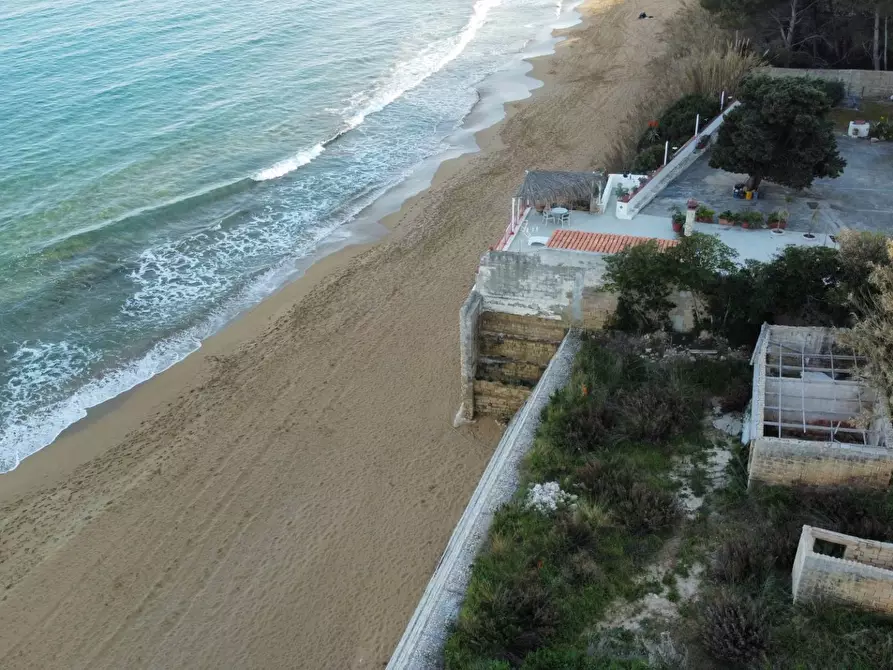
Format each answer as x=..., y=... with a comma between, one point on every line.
x=281, y=497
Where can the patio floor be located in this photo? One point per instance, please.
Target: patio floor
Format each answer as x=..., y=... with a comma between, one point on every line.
x=759, y=245
x=861, y=198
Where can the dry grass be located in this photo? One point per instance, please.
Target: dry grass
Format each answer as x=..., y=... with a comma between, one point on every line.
x=872, y=335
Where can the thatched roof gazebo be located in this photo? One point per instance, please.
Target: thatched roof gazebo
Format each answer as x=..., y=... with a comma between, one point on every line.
x=542, y=187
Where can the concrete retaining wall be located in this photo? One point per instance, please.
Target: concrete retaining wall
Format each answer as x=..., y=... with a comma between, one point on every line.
x=861, y=578
x=794, y=462
x=865, y=83
x=549, y=284
x=561, y=285
x=421, y=646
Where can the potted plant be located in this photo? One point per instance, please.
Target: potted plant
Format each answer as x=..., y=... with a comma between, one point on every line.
x=703, y=141
x=704, y=214
x=752, y=219
x=778, y=220
x=678, y=219
x=727, y=218
x=620, y=190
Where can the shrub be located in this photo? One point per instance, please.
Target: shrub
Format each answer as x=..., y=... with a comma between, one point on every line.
x=648, y=509
x=677, y=123
x=639, y=276
x=641, y=506
x=507, y=621
x=882, y=129
x=655, y=412
x=745, y=557
x=648, y=159
x=834, y=89
x=733, y=629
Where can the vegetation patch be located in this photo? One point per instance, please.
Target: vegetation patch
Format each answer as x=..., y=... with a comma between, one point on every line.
x=610, y=439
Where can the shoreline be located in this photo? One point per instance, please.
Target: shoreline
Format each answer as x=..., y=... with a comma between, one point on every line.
x=281, y=496
x=373, y=223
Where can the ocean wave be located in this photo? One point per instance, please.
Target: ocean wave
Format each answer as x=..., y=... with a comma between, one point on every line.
x=53, y=364
x=409, y=74
x=290, y=164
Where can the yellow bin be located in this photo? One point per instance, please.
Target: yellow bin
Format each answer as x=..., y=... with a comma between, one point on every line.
x=748, y=195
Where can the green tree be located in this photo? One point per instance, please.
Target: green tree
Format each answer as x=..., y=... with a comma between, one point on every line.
x=779, y=132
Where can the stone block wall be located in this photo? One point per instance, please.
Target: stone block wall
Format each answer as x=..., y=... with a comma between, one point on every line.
x=864, y=582
x=796, y=462
x=503, y=357
x=498, y=399
x=866, y=83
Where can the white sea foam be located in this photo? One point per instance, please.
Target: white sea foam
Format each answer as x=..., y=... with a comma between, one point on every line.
x=168, y=275
x=60, y=362
x=408, y=75
x=289, y=164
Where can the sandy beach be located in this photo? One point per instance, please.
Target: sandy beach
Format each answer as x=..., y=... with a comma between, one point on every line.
x=281, y=497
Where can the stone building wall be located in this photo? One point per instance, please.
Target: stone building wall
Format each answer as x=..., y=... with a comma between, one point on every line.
x=866, y=83
x=517, y=314
x=862, y=582
x=793, y=462
x=561, y=285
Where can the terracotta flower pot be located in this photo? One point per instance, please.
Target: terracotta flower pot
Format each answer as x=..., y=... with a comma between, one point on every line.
x=677, y=227
x=725, y=222
x=745, y=225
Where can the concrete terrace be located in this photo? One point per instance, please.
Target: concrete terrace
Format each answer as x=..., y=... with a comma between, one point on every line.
x=759, y=245
x=861, y=198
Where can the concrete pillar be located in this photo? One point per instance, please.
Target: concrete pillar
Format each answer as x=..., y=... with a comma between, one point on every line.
x=689, y=226
x=469, y=318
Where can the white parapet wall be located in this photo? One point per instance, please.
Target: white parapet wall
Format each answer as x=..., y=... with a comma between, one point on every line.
x=859, y=573
x=682, y=160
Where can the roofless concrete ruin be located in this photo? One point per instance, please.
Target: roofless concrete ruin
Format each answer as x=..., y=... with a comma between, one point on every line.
x=814, y=418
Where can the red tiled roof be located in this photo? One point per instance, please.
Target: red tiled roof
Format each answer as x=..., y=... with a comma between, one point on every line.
x=601, y=243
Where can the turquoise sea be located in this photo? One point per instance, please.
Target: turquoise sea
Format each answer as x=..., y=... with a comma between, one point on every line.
x=164, y=165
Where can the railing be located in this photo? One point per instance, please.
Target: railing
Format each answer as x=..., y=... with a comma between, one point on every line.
x=511, y=231
x=684, y=157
